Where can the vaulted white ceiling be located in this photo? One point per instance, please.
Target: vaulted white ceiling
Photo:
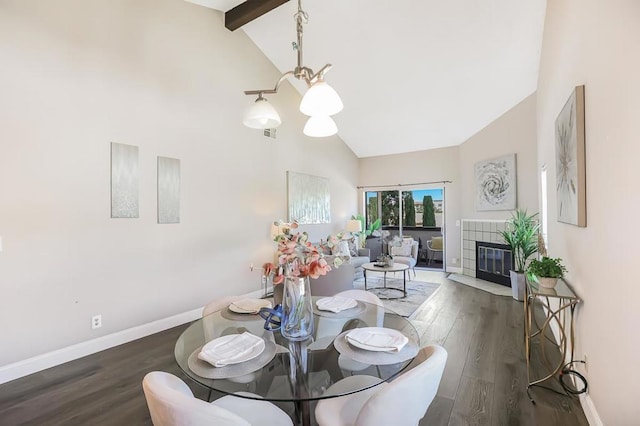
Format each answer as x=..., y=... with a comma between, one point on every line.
x=413, y=75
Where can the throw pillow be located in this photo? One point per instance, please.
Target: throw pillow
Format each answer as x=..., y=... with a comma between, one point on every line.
x=341, y=249
x=403, y=250
x=353, y=248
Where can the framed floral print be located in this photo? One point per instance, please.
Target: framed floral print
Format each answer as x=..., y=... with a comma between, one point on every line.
x=570, y=161
x=495, y=182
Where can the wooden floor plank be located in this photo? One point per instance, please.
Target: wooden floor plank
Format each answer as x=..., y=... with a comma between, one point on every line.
x=473, y=403
x=481, y=332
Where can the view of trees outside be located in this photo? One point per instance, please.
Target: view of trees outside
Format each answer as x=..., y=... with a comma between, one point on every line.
x=421, y=207
x=428, y=211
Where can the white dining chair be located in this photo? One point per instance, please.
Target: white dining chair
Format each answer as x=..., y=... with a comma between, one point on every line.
x=171, y=403
x=219, y=304
x=403, y=401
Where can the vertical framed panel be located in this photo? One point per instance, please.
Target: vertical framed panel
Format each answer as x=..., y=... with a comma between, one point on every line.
x=124, y=181
x=168, y=190
x=308, y=198
x=570, y=161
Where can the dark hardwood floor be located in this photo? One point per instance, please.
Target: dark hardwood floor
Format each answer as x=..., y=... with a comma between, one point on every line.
x=484, y=382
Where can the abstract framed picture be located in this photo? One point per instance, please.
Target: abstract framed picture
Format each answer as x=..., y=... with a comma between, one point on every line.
x=570, y=161
x=495, y=182
x=308, y=198
x=168, y=190
x=124, y=181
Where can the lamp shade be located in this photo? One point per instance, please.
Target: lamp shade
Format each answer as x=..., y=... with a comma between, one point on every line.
x=261, y=115
x=353, y=225
x=320, y=126
x=321, y=99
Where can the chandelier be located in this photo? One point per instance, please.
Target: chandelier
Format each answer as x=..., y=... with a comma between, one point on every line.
x=319, y=102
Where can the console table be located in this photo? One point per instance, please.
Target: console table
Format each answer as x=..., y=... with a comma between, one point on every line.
x=559, y=306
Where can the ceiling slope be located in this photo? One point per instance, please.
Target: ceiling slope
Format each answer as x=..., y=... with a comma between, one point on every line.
x=413, y=75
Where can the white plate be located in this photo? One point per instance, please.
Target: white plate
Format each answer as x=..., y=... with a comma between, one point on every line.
x=254, y=352
x=408, y=352
x=393, y=336
x=204, y=369
x=260, y=303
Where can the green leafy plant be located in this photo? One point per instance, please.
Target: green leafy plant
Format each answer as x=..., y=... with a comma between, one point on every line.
x=521, y=236
x=428, y=211
x=377, y=224
x=546, y=267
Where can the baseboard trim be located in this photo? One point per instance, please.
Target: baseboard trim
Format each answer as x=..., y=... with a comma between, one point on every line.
x=590, y=410
x=454, y=270
x=41, y=362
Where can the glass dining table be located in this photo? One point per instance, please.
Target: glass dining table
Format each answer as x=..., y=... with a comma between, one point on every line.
x=297, y=372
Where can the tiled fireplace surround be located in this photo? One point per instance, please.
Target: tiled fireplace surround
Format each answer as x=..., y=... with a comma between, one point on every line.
x=478, y=230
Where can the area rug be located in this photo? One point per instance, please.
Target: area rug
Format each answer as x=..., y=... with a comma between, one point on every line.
x=496, y=289
x=417, y=293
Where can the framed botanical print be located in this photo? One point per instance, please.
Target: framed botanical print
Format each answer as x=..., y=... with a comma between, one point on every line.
x=570, y=161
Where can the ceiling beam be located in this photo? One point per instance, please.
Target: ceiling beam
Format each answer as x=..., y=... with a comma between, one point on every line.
x=248, y=11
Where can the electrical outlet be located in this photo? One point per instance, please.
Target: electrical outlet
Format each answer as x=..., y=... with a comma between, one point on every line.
x=454, y=260
x=96, y=321
x=586, y=364
x=251, y=267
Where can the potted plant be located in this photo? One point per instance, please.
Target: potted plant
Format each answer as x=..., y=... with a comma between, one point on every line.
x=373, y=227
x=546, y=271
x=521, y=236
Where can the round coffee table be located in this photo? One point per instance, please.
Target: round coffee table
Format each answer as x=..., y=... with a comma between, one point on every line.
x=397, y=267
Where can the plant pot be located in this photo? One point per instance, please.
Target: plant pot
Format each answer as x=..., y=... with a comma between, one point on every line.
x=517, y=285
x=547, y=282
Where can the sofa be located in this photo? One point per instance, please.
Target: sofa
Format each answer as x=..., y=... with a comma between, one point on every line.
x=340, y=279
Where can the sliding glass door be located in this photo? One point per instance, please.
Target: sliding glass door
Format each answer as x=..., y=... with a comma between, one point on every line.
x=418, y=213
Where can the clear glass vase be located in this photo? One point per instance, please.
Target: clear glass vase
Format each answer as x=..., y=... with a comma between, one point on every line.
x=297, y=308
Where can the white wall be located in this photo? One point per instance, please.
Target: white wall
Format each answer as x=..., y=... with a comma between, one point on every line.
x=164, y=75
x=513, y=133
x=595, y=43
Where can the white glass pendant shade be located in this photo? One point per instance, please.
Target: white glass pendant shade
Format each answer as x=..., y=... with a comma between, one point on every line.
x=321, y=99
x=320, y=126
x=261, y=115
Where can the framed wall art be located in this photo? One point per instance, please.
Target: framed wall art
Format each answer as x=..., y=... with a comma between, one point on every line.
x=124, y=181
x=570, y=161
x=168, y=190
x=308, y=198
x=495, y=182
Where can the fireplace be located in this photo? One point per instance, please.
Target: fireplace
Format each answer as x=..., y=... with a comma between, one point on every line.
x=493, y=262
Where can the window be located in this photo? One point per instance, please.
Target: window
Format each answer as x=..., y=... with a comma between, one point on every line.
x=543, y=207
x=422, y=208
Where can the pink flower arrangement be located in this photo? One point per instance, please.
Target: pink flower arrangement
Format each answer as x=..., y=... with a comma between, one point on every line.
x=297, y=257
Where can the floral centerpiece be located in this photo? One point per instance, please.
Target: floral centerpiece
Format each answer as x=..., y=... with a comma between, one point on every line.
x=297, y=261
x=297, y=257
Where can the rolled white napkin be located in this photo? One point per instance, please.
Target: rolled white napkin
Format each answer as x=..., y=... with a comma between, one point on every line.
x=228, y=350
x=377, y=339
x=336, y=304
x=249, y=306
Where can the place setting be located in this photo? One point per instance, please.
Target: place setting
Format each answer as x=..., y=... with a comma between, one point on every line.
x=376, y=345
x=245, y=309
x=232, y=355
x=338, y=307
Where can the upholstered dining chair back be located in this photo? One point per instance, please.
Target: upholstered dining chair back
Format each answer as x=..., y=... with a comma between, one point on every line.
x=171, y=403
x=375, y=320
x=405, y=400
x=219, y=304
